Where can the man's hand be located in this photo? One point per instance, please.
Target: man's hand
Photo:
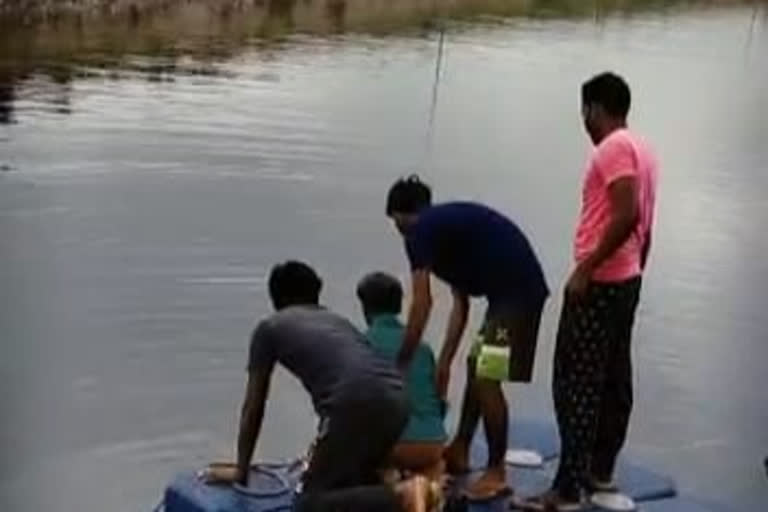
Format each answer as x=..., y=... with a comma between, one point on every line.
x=442, y=379
x=578, y=283
x=223, y=473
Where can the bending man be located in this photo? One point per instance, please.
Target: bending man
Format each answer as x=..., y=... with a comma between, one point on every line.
x=358, y=396
x=481, y=253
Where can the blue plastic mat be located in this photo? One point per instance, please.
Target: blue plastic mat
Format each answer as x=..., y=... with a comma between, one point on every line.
x=640, y=483
x=643, y=484
x=273, y=493
x=188, y=494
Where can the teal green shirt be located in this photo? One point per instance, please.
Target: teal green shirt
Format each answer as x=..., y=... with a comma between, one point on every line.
x=426, y=421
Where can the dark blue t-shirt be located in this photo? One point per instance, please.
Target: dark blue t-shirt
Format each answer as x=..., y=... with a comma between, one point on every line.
x=478, y=251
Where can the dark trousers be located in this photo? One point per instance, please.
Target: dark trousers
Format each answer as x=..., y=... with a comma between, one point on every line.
x=353, y=445
x=592, y=382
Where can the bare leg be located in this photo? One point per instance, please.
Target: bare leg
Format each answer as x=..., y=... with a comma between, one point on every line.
x=457, y=453
x=418, y=494
x=495, y=420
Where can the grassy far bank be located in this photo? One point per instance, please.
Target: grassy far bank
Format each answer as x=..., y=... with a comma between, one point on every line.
x=51, y=29
x=60, y=39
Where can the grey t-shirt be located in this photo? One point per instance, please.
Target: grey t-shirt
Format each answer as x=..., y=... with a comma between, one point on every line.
x=330, y=357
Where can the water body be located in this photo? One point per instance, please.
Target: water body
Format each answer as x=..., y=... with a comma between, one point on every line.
x=142, y=204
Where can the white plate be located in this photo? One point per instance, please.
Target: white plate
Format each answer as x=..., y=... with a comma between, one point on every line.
x=613, y=501
x=524, y=458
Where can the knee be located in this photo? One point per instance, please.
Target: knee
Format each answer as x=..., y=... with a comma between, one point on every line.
x=488, y=390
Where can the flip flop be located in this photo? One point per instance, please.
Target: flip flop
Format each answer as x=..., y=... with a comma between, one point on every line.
x=524, y=458
x=480, y=497
x=613, y=501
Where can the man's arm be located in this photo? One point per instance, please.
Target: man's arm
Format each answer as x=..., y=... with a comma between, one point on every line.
x=251, y=418
x=421, y=306
x=622, y=194
x=457, y=322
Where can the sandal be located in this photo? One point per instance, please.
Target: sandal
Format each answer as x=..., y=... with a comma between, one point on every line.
x=487, y=488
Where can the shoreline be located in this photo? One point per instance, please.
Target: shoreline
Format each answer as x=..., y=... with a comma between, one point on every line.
x=49, y=35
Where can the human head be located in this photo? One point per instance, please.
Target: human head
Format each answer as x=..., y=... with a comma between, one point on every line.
x=380, y=294
x=605, y=101
x=294, y=283
x=406, y=198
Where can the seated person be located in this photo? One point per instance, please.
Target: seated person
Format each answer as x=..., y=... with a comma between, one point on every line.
x=358, y=396
x=420, y=449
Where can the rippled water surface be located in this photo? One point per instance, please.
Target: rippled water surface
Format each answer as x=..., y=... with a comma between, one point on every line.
x=141, y=210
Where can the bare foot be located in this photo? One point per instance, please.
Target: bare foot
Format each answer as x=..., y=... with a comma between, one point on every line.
x=413, y=494
x=456, y=457
x=419, y=494
x=491, y=484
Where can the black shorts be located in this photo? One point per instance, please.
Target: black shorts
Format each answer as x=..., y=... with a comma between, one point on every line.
x=514, y=326
x=355, y=442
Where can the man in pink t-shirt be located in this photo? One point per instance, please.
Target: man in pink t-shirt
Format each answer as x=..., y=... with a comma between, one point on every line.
x=592, y=379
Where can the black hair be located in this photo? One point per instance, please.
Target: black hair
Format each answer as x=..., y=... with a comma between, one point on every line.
x=408, y=195
x=380, y=293
x=293, y=283
x=610, y=91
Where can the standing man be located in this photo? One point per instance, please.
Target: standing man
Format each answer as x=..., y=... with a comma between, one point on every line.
x=592, y=380
x=358, y=396
x=480, y=253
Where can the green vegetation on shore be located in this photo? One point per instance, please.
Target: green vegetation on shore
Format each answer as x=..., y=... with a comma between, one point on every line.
x=54, y=36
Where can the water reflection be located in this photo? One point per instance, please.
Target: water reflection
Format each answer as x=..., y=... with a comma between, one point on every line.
x=336, y=11
x=7, y=96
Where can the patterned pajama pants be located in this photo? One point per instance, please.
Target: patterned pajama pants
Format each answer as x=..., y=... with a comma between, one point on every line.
x=592, y=382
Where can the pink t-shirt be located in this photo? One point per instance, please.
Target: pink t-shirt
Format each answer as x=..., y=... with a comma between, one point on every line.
x=620, y=154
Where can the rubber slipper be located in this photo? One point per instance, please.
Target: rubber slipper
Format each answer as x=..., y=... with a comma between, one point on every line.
x=613, y=501
x=524, y=458
x=501, y=492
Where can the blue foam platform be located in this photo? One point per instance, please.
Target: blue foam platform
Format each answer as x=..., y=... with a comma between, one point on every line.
x=643, y=484
x=638, y=482
x=187, y=493
x=525, y=434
